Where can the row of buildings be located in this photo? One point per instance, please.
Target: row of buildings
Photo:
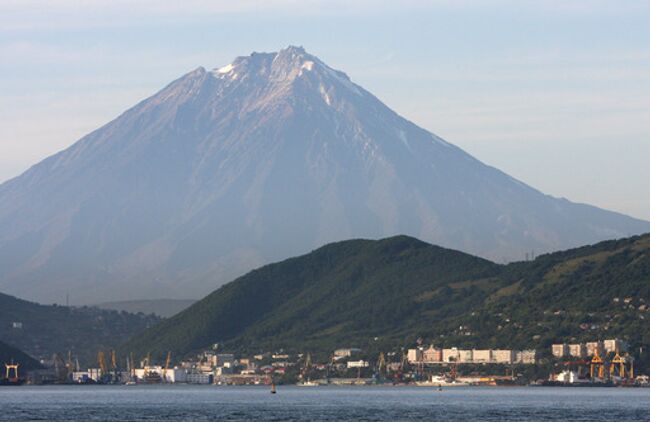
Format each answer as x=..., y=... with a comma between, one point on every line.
x=588, y=349
x=433, y=355
x=210, y=367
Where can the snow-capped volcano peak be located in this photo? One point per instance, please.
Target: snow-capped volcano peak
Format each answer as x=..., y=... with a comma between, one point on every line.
x=257, y=160
x=284, y=67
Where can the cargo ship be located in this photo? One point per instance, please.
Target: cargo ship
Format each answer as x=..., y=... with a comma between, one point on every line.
x=11, y=381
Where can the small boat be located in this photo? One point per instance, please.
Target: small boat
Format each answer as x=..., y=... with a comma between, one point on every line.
x=308, y=383
x=273, y=391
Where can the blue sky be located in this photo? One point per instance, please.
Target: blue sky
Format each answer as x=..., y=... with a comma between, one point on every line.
x=555, y=93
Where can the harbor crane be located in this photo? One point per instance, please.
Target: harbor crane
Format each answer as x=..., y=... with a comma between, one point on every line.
x=114, y=371
x=132, y=366
x=167, y=362
x=101, y=360
x=619, y=367
x=68, y=363
x=617, y=364
x=381, y=363
x=9, y=367
x=597, y=364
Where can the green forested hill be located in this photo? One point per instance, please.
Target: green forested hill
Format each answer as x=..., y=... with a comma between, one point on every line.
x=399, y=289
x=343, y=293
x=598, y=291
x=42, y=330
x=10, y=354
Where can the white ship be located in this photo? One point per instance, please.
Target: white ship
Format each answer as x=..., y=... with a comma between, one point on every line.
x=441, y=381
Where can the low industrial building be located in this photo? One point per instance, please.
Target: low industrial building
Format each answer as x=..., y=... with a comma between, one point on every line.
x=482, y=356
x=432, y=355
x=346, y=353
x=358, y=364
x=560, y=350
x=595, y=347
x=614, y=346
x=578, y=350
x=464, y=356
x=526, y=357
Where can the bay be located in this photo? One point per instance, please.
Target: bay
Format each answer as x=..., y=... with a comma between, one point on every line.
x=206, y=403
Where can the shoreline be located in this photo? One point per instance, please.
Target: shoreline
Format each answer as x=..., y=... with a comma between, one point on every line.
x=337, y=385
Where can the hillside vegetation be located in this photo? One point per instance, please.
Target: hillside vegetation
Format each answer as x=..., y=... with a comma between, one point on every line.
x=42, y=330
x=342, y=293
x=388, y=293
x=594, y=292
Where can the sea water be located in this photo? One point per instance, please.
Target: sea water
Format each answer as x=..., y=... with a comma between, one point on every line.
x=206, y=403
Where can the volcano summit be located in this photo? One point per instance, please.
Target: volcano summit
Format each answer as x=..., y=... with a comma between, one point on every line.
x=267, y=157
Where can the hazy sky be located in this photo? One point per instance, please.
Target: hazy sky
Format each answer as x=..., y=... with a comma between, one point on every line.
x=555, y=93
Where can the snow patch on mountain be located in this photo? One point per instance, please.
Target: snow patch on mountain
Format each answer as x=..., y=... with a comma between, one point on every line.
x=225, y=69
x=325, y=95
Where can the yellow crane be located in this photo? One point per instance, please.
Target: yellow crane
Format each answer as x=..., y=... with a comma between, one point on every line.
x=9, y=367
x=597, y=362
x=132, y=366
x=405, y=361
x=167, y=362
x=307, y=366
x=101, y=360
x=619, y=362
x=68, y=364
x=381, y=363
x=114, y=365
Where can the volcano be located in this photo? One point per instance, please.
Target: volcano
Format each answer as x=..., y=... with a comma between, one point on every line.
x=268, y=157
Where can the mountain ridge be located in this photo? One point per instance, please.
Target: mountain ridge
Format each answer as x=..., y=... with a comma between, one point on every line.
x=45, y=330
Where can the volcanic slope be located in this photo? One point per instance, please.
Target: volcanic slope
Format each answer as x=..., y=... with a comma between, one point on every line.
x=266, y=158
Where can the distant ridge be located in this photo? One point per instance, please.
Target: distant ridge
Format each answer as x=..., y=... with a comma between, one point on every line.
x=267, y=157
x=45, y=330
x=161, y=307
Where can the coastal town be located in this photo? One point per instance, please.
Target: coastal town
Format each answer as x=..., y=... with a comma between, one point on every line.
x=596, y=363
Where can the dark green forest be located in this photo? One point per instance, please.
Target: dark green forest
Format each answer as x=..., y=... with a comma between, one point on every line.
x=385, y=294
